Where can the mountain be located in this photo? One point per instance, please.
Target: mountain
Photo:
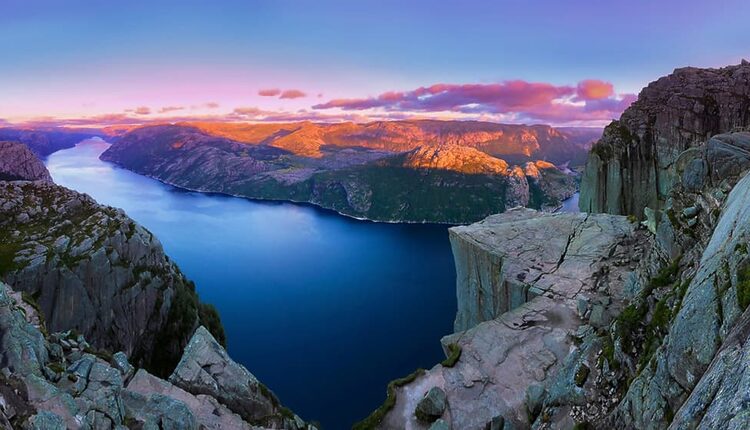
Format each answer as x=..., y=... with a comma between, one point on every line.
x=631, y=167
x=46, y=140
x=595, y=320
x=413, y=171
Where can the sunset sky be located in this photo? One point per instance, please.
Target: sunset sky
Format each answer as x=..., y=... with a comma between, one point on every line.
x=559, y=62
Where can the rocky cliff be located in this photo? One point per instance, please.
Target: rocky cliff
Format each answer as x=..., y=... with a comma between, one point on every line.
x=630, y=168
x=385, y=172
x=58, y=382
x=102, y=283
x=17, y=162
x=601, y=321
x=94, y=270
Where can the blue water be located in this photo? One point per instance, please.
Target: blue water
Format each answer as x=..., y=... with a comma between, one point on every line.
x=570, y=204
x=323, y=309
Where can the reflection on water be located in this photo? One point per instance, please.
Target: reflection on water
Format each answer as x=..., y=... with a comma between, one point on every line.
x=324, y=309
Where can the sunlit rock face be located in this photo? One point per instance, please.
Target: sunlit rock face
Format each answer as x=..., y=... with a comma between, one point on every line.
x=629, y=169
x=410, y=171
x=17, y=162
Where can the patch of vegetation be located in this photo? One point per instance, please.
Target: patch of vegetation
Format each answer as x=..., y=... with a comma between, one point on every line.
x=31, y=300
x=632, y=219
x=582, y=374
x=454, y=353
x=186, y=310
x=743, y=286
x=376, y=417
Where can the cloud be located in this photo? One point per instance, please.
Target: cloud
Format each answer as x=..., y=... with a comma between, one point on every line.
x=211, y=105
x=166, y=109
x=593, y=89
x=282, y=94
x=270, y=92
x=590, y=100
x=140, y=110
x=292, y=94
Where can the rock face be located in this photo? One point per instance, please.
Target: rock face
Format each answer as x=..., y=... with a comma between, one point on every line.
x=58, y=382
x=629, y=169
x=507, y=260
x=206, y=368
x=528, y=284
x=416, y=172
x=17, y=162
x=92, y=269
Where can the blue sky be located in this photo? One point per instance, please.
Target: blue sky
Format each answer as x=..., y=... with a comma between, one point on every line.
x=78, y=58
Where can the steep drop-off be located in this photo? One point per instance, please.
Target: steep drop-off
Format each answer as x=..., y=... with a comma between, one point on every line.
x=649, y=327
x=630, y=168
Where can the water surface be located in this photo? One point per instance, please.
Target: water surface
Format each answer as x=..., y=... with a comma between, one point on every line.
x=323, y=309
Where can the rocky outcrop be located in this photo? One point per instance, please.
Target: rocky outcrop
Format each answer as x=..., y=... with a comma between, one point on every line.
x=400, y=173
x=530, y=287
x=507, y=260
x=94, y=270
x=206, y=368
x=59, y=382
x=17, y=162
x=629, y=169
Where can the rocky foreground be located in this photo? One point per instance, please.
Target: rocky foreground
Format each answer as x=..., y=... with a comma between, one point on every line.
x=408, y=171
x=57, y=382
x=101, y=283
x=599, y=320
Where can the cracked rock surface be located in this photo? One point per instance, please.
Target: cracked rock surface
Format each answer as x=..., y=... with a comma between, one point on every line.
x=522, y=277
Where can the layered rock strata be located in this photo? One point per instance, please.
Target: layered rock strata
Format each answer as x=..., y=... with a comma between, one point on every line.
x=530, y=285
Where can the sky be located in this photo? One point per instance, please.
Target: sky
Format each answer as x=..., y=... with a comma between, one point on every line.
x=572, y=62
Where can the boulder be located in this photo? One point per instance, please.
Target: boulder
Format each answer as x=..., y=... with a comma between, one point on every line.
x=432, y=406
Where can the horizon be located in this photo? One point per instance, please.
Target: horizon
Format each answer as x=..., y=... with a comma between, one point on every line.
x=560, y=65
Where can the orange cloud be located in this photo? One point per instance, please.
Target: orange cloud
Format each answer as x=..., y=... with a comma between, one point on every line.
x=594, y=89
x=292, y=94
x=270, y=92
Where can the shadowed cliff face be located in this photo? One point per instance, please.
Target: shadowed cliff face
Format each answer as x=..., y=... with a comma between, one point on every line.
x=630, y=168
x=94, y=270
x=379, y=171
x=17, y=162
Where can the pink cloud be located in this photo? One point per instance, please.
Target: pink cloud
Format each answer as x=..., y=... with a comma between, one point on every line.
x=140, y=110
x=526, y=101
x=292, y=94
x=270, y=92
x=166, y=109
x=211, y=105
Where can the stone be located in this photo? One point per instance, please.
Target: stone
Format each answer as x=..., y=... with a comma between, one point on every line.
x=432, y=406
x=439, y=425
x=45, y=420
x=535, y=395
x=122, y=364
x=599, y=317
x=206, y=368
x=496, y=423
